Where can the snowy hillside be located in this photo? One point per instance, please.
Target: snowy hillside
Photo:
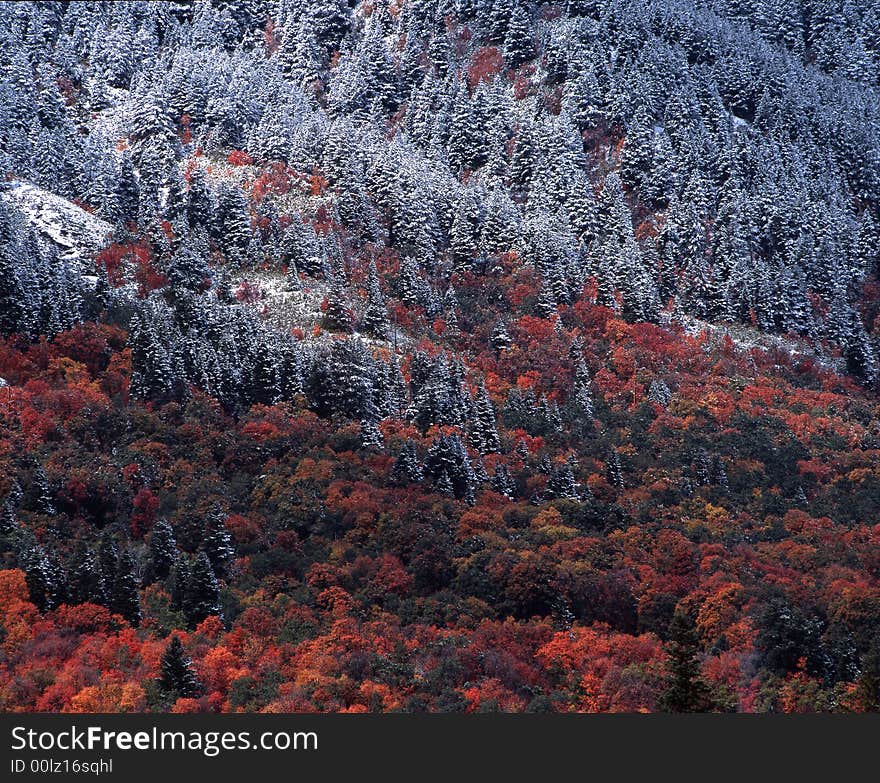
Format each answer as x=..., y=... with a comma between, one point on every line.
x=77, y=233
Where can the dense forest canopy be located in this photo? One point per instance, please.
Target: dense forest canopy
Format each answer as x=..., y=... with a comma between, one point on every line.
x=440, y=355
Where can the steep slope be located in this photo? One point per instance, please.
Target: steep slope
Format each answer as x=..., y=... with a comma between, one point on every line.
x=454, y=355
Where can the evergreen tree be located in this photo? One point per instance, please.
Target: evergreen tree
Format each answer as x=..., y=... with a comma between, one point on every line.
x=124, y=598
x=561, y=483
x=337, y=315
x=407, y=469
x=108, y=563
x=8, y=521
x=40, y=576
x=583, y=391
x=518, y=45
x=232, y=218
x=483, y=432
x=502, y=481
x=178, y=581
x=375, y=320
x=161, y=552
x=201, y=598
x=86, y=584
x=500, y=340
x=42, y=493
x=178, y=677
x=613, y=470
x=685, y=689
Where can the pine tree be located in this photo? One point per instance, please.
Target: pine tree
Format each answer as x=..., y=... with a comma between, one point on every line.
x=200, y=204
x=178, y=580
x=502, y=481
x=583, y=391
x=8, y=521
x=178, y=678
x=108, y=562
x=448, y=465
x=42, y=492
x=561, y=483
x=124, y=599
x=636, y=156
x=371, y=435
x=375, y=320
x=613, y=470
x=217, y=542
x=685, y=689
x=161, y=552
x=337, y=315
x=188, y=271
x=500, y=340
x=233, y=216
x=407, y=469
x=40, y=576
x=546, y=305
x=202, y=595
x=12, y=295
x=518, y=45
x=86, y=584
x=483, y=431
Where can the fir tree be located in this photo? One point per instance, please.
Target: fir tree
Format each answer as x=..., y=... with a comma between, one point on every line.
x=613, y=470
x=40, y=576
x=483, y=431
x=86, y=584
x=178, y=677
x=8, y=521
x=502, y=481
x=337, y=315
x=124, y=598
x=178, y=581
x=42, y=493
x=161, y=552
x=201, y=598
x=375, y=320
x=518, y=45
x=500, y=340
x=217, y=542
x=685, y=689
x=407, y=469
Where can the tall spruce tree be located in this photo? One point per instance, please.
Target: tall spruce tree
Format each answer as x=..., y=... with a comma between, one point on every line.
x=178, y=677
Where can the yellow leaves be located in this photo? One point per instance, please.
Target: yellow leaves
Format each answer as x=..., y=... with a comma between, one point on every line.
x=859, y=475
x=717, y=519
x=549, y=523
x=719, y=611
x=109, y=697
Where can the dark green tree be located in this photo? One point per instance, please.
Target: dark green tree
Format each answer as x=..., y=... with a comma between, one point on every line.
x=161, y=552
x=124, y=598
x=202, y=596
x=685, y=689
x=178, y=678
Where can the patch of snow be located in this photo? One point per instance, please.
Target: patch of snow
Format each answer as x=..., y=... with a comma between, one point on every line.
x=745, y=339
x=76, y=232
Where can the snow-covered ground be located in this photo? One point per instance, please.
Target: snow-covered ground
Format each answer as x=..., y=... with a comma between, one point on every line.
x=76, y=232
x=745, y=338
x=283, y=306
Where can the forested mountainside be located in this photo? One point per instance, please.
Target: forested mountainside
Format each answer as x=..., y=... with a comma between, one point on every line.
x=440, y=355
